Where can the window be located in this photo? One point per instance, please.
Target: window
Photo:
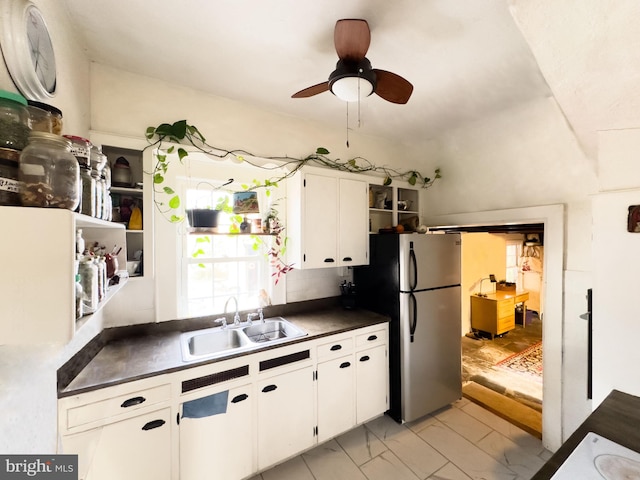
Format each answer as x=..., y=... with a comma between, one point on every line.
x=513, y=254
x=216, y=267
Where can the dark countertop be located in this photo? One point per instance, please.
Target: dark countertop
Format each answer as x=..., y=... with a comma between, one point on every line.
x=132, y=353
x=617, y=418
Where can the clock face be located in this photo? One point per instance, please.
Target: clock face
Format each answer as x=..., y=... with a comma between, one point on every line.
x=41, y=49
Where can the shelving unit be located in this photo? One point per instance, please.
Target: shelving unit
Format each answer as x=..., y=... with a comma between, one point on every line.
x=38, y=284
x=386, y=210
x=124, y=196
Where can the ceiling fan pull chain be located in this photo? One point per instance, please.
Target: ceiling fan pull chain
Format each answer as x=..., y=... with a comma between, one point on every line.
x=347, y=103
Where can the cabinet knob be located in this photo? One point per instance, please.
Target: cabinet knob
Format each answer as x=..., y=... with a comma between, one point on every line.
x=130, y=402
x=153, y=424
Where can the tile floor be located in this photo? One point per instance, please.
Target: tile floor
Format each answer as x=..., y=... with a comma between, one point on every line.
x=460, y=442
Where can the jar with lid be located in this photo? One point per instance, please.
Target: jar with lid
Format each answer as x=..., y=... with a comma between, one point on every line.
x=40, y=119
x=88, y=272
x=54, y=116
x=14, y=121
x=49, y=173
x=9, y=183
x=98, y=193
x=88, y=197
x=80, y=148
x=97, y=158
x=106, y=199
x=121, y=173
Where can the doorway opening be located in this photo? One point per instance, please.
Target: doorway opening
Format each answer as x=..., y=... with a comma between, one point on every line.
x=502, y=320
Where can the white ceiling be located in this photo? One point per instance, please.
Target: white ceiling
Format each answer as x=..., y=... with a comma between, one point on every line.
x=466, y=60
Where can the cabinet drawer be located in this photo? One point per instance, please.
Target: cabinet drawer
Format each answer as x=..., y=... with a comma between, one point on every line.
x=506, y=308
x=117, y=405
x=371, y=338
x=506, y=323
x=335, y=348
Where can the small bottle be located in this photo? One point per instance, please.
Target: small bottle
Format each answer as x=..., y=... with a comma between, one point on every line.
x=89, y=280
x=79, y=297
x=79, y=242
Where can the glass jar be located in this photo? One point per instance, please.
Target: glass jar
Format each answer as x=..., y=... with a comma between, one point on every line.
x=97, y=158
x=9, y=183
x=14, y=121
x=80, y=243
x=40, y=119
x=98, y=191
x=55, y=116
x=79, y=295
x=80, y=148
x=88, y=197
x=88, y=272
x=106, y=199
x=49, y=173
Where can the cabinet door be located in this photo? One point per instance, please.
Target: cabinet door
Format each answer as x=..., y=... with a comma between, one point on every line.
x=353, y=236
x=132, y=449
x=217, y=436
x=336, y=397
x=286, y=419
x=320, y=221
x=371, y=383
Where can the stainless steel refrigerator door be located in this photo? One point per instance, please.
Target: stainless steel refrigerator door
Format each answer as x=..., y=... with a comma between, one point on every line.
x=431, y=364
x=435, y=261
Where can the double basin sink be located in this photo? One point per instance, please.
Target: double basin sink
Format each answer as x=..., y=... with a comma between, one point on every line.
x=219, y=341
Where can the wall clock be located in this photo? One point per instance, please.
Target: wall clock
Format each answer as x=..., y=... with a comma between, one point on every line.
x=28, y=50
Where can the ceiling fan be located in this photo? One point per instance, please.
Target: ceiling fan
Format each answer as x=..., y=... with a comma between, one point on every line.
x=353, y=78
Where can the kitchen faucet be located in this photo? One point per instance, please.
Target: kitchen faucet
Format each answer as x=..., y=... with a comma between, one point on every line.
x=236, y=317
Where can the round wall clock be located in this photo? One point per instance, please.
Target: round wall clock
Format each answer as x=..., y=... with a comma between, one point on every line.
x=27, y=50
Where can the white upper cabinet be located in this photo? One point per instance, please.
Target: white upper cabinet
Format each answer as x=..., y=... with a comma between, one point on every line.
x=327, y=219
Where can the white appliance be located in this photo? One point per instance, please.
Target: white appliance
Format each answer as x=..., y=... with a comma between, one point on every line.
x=415, y=279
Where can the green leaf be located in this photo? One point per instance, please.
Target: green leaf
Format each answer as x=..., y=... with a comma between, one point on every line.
x=179, y=129
x=352, y=162
x=240, y=158
x=158, y=178
x=204, y=239
x=267, y=193
x=322, y=151
x=244, y=186
x=151, y=131
x=168, y=190
x=182, y=153
x=175, y=219
x=201, y=265
x=412, y=179
x=174, y=202
x=161, y=158
x=170, y=149
x=387, y=180
x=164, y=129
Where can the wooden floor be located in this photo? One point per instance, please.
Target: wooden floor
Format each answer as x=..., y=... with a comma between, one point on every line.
x=526, y=418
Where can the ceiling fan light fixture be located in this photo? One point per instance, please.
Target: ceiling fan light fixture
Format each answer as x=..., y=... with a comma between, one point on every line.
x=352, y=89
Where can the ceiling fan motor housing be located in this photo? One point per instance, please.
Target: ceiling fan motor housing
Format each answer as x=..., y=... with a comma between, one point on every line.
x=353, y=69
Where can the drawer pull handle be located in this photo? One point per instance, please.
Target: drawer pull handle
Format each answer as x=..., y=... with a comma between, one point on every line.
x=372, y=338
x=269, y=388
x=153, y=424
x=336, y=347
x=365, y=358
x=133, y=401
x=329, y=260
x=347, y=259
x=240, y=398
x=345, y=364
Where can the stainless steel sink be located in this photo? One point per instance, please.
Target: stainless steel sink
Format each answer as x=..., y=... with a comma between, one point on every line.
x=272, y=330
x=220, y=341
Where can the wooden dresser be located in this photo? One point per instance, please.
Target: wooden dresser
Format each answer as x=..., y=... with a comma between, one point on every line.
x=495, y=313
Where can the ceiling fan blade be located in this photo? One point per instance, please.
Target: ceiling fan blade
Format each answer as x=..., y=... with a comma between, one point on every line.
x=352, y=38
x=311, y=91
x=393, y=88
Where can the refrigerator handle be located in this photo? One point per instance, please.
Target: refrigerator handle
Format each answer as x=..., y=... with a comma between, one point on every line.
x=413, y=315
x=413, y=280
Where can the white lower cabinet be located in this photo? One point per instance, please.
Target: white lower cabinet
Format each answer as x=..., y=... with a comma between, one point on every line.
x=336, y=396
x=216, y=434
x=131, y=449
x=372, y=383
x=286, y=420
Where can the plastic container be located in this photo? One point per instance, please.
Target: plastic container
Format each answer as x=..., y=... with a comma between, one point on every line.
x=9, y=177
x=80, y=148
x=49, y=173
x=55, y=116
x=14, y=121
